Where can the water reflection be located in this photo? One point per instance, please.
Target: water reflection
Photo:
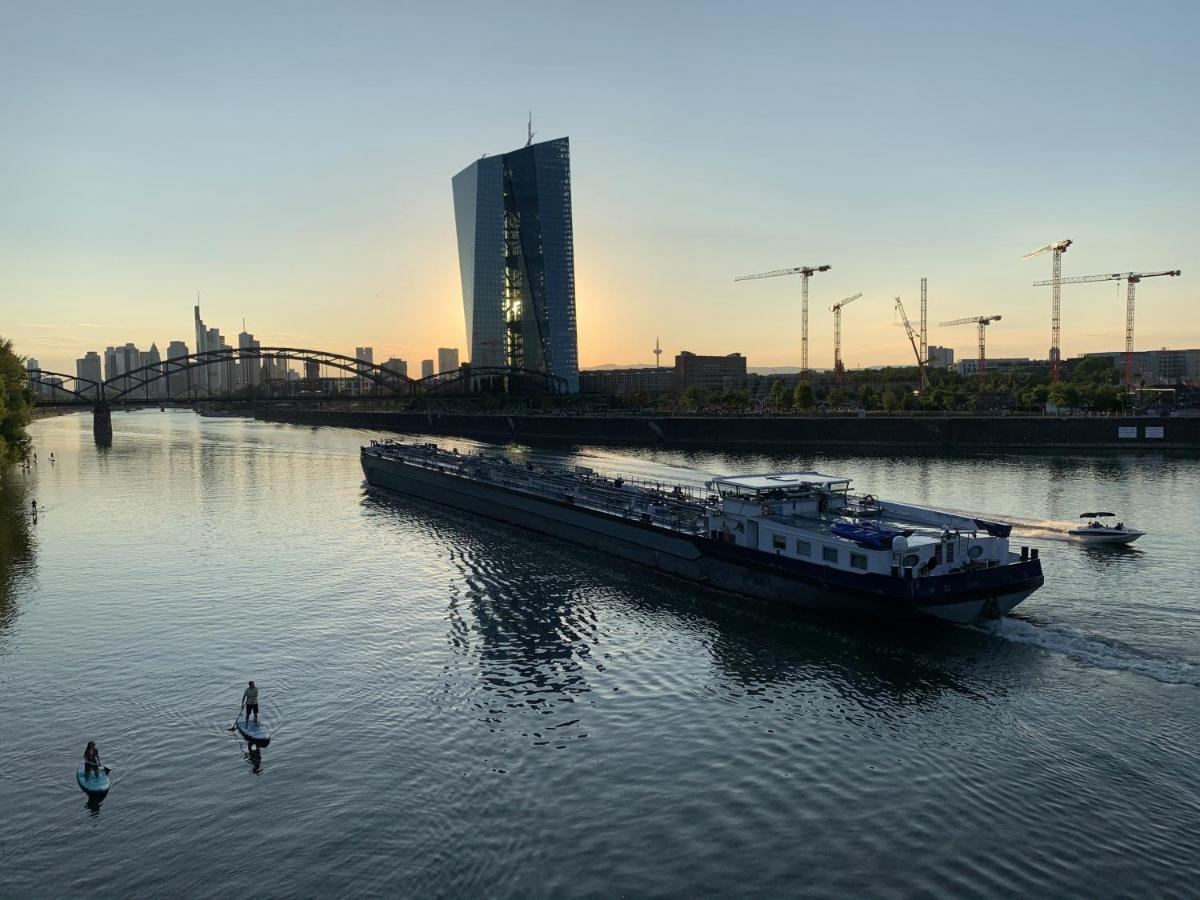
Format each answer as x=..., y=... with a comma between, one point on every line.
x=525, y=611
x=16, y=541
x=253, y=755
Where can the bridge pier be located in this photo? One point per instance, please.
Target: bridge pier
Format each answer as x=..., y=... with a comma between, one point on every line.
x=102, y=424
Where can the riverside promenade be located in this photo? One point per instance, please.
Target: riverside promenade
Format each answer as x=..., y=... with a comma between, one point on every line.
x=955, y=432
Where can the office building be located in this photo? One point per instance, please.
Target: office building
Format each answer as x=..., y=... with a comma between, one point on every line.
x=940, y=357
x=151, y=357
x=709, y=372
x=88, y=367
x=365, y=354
x=248, y=373
x=447, y=359
x=426, y=368
x=516, y=260
x=33, y=370
x=178, y=382
x=397, y=365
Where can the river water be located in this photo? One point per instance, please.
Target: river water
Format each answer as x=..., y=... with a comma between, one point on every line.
x=465, y=710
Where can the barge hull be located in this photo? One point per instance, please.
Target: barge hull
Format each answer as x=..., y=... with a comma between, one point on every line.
x=681, y=555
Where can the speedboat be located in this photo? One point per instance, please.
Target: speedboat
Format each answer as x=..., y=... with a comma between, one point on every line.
x=1097, y=532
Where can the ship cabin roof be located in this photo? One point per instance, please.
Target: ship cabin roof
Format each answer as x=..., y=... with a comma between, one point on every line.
x=776, y=483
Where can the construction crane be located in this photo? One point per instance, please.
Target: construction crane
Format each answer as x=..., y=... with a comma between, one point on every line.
x=805, y=272
x=924, y=354
x=1058, y=248
x=1132, y=278
x=838, y=368
x=912, y=339
x=982, y=322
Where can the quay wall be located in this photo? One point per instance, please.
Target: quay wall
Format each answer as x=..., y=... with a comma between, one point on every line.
x=897, y=432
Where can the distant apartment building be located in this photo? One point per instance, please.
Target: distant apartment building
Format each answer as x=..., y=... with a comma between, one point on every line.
x=517, y=260
x=397, y=365
x=940, y=357
x=968, y=368
x=447, y=359
x=365, y=354
x=626, y=381
x=1156, y=366
x=709, y=372
x=426, y=368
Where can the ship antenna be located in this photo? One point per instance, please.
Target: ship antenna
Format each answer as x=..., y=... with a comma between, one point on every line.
x=529, y=139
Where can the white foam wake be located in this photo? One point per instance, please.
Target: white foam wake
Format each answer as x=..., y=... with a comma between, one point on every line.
x=1094, y=651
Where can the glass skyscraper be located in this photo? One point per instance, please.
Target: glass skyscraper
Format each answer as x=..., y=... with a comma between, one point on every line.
x=517, y=260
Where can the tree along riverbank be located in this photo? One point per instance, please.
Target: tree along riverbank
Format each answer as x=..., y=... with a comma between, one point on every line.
x=870, y=432
x=15, y=408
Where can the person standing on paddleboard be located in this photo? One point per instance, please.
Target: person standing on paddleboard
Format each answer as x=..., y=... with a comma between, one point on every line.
x=91, y=760
x=250, y=701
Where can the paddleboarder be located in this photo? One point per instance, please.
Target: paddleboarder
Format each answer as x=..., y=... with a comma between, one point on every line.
x=91, y=759
x=250, y=702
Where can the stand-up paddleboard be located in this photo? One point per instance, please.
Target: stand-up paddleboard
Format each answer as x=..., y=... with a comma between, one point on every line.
x=95, y=783
x=254, y=731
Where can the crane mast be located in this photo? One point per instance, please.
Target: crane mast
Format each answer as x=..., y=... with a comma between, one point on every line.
x=1057, y=248
x=981, y=323
x=1131, y=279
x=924, y=354
x=805, y=272
x=838, y=368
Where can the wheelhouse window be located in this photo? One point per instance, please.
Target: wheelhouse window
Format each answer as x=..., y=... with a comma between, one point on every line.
x=779, y=542
x=829, y=554
x=858, y=561
x=804, y=548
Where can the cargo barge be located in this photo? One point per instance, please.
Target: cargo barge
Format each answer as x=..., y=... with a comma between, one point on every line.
x=797, y=538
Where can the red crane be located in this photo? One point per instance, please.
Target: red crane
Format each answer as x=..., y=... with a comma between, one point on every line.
x=982, y=322
x=1132, y=278
x=1058, y=248
x=805, y=272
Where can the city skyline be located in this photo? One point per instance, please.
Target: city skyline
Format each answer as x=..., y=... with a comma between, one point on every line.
x=945, y=151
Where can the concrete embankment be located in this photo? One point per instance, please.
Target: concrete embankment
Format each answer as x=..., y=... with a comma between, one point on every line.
x=885, y=432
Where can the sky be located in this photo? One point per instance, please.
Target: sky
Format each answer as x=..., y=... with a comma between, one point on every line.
x=290, y=163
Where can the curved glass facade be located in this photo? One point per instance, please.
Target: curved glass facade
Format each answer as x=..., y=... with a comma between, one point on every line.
x=517, y=260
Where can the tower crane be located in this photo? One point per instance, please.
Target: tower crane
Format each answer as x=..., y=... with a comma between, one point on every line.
x=1058, y=248
x=1131, y=278
x=912, y=339
x=838, y=368
x=982, y=322
x=805, y=272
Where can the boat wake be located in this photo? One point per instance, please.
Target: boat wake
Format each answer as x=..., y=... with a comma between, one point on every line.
x=1093, y=651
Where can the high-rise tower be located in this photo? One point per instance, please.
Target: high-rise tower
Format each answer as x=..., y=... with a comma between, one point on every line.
x=517, y=260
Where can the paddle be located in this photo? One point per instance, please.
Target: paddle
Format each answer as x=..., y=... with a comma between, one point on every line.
x=233, y=727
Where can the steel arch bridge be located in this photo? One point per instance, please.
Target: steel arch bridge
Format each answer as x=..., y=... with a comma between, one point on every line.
x=127, y=386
